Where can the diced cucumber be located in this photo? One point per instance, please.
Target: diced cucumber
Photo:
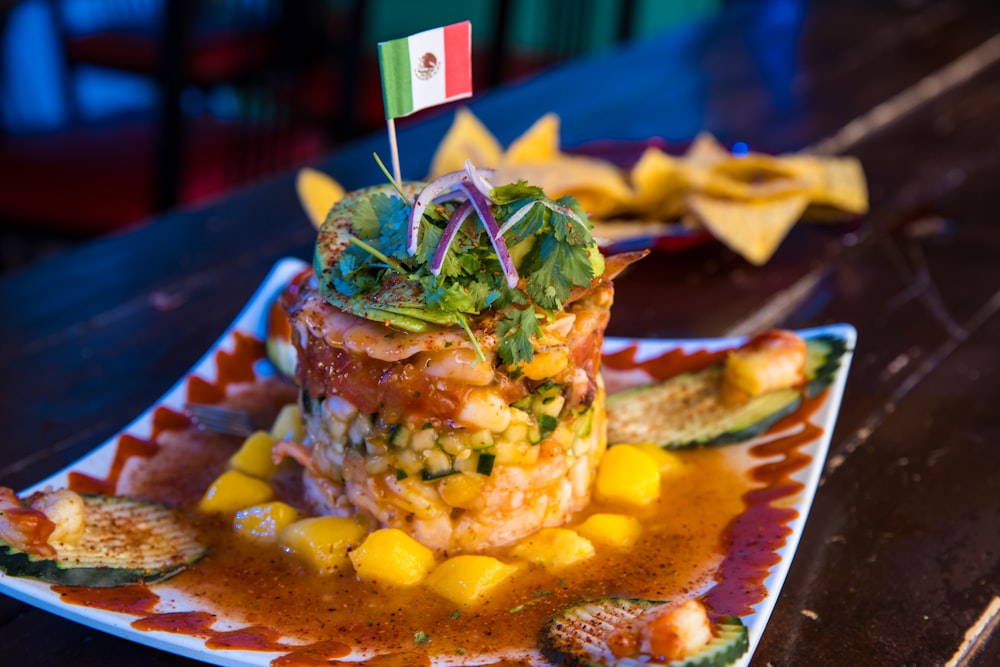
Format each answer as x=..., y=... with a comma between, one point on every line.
x=687, y=410
x=478, y=440
x=485, y=464
x=548, y=405
x=125, y=541
x=586, y=424
x=399, y=436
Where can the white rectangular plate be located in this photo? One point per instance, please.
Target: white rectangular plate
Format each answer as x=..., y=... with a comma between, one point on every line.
x=251, y=321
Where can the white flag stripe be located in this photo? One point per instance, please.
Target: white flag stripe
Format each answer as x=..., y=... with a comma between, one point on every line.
x=427, y=91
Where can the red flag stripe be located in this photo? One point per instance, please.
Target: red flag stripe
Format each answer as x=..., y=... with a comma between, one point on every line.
x=458, y=63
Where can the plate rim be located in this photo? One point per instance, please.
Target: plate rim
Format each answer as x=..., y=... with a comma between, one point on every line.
x=249, y=321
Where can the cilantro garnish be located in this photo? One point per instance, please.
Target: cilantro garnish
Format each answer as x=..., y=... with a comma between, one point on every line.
x=374, y=275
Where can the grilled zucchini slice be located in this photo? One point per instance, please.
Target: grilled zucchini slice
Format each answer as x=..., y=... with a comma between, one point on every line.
x=687, y=410
x=125, y=541
x=575, y=637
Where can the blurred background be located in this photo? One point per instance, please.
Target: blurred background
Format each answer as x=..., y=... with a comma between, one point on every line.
x=113, y=110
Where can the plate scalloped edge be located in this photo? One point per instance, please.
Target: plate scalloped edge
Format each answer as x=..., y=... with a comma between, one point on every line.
x=250, y=320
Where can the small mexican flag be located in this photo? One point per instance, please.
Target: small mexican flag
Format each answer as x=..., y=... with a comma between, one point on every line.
x=426, y=69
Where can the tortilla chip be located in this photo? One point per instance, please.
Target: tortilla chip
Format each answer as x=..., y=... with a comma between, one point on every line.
x=539, y=143
x=836, y=182
x=317, y=193
x=466, y=139
x=599, y=186
x=706, y=151
x=658, y=181
x=752, y=229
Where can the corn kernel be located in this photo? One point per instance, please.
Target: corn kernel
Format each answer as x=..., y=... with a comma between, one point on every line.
x=254, y=456
x=628, y=475
x=264, y=522
x=391, y=557
x=468, y=580
x=234, y=490
x=668, y=461
x=554, y=548
x=322, y=542
x=288, y=424
x=618, y=531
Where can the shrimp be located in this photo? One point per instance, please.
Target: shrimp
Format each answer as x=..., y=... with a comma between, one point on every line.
x=24, y=528
x=767, y=362
x=665, y=633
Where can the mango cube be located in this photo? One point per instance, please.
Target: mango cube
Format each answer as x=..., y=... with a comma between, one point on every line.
x=668, y=461
x=468, y=580
x=322, y=542
x=627, y=475
x=264, y=522
x=391, y=557
x=554, y=548
x=613, y=530
x=288, y=424
x=254, y=456
x=232, y=491
x=461, y=490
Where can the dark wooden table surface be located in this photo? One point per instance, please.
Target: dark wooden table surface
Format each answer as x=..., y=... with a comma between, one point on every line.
x=900, y=560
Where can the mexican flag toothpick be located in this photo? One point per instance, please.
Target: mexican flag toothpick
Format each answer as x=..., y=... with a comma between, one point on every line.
x=424, y=70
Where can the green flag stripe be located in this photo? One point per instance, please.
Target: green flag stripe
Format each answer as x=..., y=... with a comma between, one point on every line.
x=397, y=84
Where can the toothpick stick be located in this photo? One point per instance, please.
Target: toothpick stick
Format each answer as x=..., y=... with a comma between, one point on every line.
x=394, y=149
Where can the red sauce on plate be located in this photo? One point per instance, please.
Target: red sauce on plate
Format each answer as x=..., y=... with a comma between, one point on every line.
x=723, y=542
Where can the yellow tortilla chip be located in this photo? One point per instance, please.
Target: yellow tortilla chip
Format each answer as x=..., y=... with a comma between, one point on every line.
x=837, y=182
x=466, y=139
x=658, y=182
x=539, y=143
x=753, y=229
x=705, y=151
x=599, y=186
x=317, y=194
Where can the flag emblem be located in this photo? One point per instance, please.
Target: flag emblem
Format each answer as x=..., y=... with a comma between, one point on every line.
x=426, y=69
x=428, y=66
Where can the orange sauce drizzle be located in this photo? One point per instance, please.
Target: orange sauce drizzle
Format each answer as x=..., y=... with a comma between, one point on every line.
x=751, y=539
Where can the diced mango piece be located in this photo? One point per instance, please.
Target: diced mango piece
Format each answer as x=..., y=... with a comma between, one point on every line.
x=468, y=580
x=547, y=363
x=391, y=557
x=614, y=530
x=668, y=461
x=254, y=456
x=461, y=490
x=322, y=542
x=288, y=424
x=628, y=475
x=234, y=490
x=554, y=548
x=264, y=522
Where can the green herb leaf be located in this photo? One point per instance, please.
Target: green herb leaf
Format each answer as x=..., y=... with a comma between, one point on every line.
x=516, y=330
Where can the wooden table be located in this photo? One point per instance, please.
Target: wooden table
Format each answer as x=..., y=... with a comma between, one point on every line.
x=900, y=560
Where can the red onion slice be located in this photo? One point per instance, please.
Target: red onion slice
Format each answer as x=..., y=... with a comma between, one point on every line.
x=477, y=178
x=436, y=188
x=450, y=231
x=493, y=231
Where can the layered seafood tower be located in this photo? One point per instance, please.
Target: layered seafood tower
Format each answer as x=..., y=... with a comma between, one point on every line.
x=449, y=350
